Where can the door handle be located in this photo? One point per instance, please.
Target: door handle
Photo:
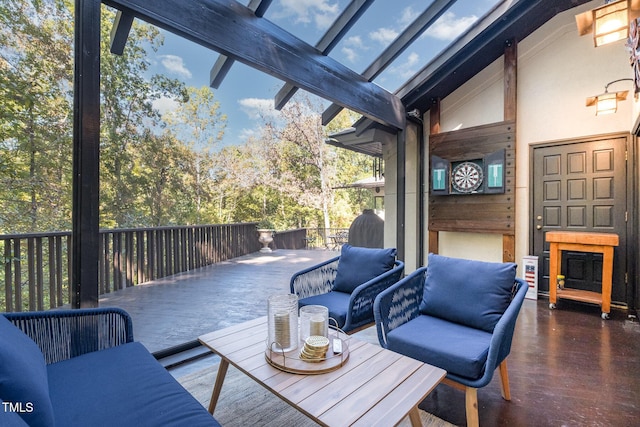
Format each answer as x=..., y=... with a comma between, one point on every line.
x=538, y=227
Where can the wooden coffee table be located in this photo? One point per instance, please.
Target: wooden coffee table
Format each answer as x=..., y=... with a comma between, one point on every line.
x=374, y=387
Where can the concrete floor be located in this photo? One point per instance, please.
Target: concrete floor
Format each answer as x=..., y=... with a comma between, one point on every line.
x=177, y=309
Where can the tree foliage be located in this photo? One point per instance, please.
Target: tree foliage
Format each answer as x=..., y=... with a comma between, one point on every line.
x=35, y=114
x=155, y=169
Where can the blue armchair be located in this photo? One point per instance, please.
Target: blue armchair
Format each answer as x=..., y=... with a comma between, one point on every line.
x=348, y=284
x=458, y=315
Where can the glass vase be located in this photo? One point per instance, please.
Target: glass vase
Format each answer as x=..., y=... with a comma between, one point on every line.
x=314, y=320
x=282, y=318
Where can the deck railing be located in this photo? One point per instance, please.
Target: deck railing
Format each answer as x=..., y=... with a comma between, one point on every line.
x=37, y=266
x=326, y=238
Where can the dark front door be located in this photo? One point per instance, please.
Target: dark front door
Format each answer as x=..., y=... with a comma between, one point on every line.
x=581, y=186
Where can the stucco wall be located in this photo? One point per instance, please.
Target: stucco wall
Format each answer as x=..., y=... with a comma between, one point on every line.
x=557, y=71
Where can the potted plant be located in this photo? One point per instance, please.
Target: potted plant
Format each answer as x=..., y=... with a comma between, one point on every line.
x=266, y=230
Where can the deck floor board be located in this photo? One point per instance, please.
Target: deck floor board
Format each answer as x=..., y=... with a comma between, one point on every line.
x=173, y=310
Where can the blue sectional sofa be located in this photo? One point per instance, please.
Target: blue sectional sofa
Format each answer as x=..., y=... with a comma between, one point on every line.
x=82, y=368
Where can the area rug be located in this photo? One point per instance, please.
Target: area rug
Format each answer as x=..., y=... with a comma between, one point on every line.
x=244, y=403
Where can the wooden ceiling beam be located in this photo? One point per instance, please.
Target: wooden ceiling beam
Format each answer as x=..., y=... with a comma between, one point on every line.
x=223, y=63
x=120, y=32
x=334, y=34
x=232, y=29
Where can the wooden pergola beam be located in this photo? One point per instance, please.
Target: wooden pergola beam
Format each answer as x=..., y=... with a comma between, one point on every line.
x=120, y=32
x=223, y=63
x=234, y=30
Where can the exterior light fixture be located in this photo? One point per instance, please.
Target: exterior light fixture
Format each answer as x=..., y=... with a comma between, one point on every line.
x=607, y=102
x=608, y=23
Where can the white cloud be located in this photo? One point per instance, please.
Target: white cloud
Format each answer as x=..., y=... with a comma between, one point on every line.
x=247, y=133
x=448, y=26
x=384, y=35
x=352, y=45
x=408, y=16
x=412, y=60
x=354, y=41
x=407, y=68
x=321, y=12
x=165, y=105
x=256, y=108
x=350, y=53
x=324, y=20
x=175, y=65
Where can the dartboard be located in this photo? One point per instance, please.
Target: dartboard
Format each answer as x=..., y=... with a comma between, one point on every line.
x=466, y=177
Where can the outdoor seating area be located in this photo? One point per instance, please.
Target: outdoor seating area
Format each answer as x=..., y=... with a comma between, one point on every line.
x=179, y=179
x=86, y=369
x=556, y=355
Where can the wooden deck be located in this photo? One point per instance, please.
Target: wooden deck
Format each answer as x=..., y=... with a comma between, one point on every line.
x=567, y=367
x=176, y=309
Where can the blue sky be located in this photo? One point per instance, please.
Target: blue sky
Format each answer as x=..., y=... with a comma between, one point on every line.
x=246, y=91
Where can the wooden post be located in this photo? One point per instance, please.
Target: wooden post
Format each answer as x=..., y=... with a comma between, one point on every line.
x=434, y=128
x=510, y=113
x=86, y=155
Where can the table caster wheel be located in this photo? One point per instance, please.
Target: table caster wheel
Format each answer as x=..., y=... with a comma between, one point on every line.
x=552, y=306
x=605, y=316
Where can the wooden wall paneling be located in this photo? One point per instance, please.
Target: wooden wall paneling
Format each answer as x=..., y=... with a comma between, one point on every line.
x=479, y=213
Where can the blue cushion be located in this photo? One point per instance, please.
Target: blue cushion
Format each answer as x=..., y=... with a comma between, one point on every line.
x=458, y=349
x=336, y=302
x=23, y=375
x=472, y=293
x=9, y=418
x=359, y=265
x=121, y=386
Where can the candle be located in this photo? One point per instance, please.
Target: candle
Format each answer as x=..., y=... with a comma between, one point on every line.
x=282, y=329
x=316, y=325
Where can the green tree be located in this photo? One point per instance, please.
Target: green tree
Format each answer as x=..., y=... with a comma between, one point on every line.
x=35, y=131
x=127, y=96
x=306, y=163
x=162, y=162
x=200, y=125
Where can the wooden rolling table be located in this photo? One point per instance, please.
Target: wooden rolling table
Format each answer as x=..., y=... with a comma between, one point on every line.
x=582, y=242
x=375, y=387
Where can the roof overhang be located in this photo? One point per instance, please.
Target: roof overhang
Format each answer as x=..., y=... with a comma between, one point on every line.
x=368, y=142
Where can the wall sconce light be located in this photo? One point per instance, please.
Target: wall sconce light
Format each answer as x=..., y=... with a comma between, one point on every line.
x=607, y=102
x=608, y=23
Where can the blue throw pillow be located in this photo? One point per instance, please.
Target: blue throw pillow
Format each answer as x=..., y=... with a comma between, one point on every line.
x=23, y=376
x=359, y=265
x=472, y=293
